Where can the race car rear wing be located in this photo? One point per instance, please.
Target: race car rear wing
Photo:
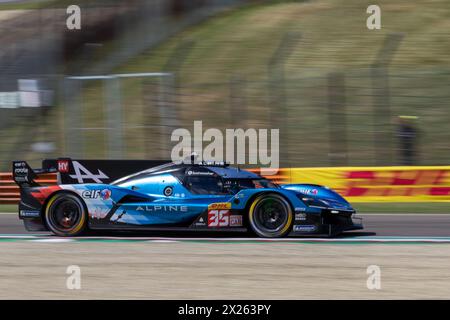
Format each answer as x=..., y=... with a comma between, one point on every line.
x=24, y=175
x=75, y=171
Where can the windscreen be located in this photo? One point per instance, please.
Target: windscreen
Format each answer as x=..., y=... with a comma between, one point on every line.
x=236, y=185
x=217, y=185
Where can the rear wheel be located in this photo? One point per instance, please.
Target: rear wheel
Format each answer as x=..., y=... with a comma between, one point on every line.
x=270, y=216
x=66, y=215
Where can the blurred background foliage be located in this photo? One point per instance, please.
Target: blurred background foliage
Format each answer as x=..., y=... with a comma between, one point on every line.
x=306, y=67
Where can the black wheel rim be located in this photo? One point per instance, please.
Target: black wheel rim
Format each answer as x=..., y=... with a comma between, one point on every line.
x=65, y=214
x=271, y=215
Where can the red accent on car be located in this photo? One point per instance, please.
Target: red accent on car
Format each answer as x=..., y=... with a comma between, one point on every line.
x=44, y=192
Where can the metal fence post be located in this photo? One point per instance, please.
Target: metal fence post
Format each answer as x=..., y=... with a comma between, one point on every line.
x=337, y=120
x=166, y=111
x=278, y=104
x=72, y=120
x=381, y=99
x=114, y=118
x=238, y=104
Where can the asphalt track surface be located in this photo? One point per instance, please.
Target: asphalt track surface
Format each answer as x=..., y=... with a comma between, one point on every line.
x=386, y=225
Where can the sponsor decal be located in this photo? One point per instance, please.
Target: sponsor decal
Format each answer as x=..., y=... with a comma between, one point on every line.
x=29, y=214
x=19, y=164
x=21, y=171
x=104, y=194
x=180, y=195
x=218, y=218
x=199, y=173
x=168, y=191
x=300, y=216
x=90, y=194
x=63, y=166
x=21, y=179
x=308, y=191
x=235, y=221
x=162, y=208
x=200, y=222
x=305, y=228
x=219, y=205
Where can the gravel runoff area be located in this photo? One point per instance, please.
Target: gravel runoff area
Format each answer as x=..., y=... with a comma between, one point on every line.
x=194, y=270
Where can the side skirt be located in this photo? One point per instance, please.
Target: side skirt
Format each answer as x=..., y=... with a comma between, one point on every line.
x=162, y=228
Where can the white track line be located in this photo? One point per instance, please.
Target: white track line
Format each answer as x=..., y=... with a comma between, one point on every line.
x=56, y=240
x=231, y=240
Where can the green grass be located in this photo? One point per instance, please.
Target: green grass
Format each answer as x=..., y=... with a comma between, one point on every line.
x=8, y=208
x=334, y=37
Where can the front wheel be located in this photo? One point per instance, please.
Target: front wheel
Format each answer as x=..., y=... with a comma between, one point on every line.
x=270, y=216
x=65, y=215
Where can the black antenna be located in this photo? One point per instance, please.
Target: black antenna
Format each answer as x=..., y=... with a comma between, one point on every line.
x=191, y=158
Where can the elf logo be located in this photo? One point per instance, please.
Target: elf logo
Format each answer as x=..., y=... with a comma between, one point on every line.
x=104, y=194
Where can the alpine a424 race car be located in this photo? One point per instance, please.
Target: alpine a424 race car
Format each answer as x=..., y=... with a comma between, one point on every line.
x=188, y=196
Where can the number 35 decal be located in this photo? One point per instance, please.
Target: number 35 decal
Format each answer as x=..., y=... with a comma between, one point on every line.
x=218, y=218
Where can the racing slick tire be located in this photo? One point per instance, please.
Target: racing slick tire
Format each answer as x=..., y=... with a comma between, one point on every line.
x=66, y=215
x=270, y=216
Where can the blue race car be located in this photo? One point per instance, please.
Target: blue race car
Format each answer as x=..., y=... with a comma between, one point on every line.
x=193, y=196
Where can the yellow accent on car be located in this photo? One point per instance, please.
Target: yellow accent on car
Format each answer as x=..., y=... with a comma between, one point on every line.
x=288, y=223
x=77, y=228
x=219, y=205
